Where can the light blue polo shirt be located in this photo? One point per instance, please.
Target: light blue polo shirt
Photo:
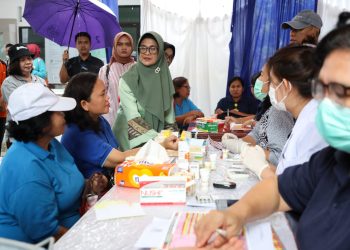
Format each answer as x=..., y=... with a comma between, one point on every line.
x=186, y=106
x=39, y=191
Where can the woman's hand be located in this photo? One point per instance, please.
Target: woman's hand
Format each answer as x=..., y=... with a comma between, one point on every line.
x=219, y=111
x=249, y=124
x=171, y=142
x=226, y=220
x=189, y=119
x=228, y=121
x=98, y=183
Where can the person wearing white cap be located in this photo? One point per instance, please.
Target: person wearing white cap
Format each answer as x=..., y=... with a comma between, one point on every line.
x=304, y=28
x=40, y=185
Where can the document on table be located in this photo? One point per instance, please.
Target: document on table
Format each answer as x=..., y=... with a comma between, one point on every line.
x=259, y=236
x=111, y=209
x=154, y=234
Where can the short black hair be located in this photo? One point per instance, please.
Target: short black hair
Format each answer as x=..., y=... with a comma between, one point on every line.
x=169, y=46
x=178, y=83
x=80, y=88
x=236, y=78
x=32, y=129
x=85, y=34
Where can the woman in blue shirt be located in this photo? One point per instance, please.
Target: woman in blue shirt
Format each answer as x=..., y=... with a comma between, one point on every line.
x=88, y=136
x=185, y=110
x=40, y=185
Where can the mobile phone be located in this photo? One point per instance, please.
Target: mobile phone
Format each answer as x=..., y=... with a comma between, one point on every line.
x=226, y=185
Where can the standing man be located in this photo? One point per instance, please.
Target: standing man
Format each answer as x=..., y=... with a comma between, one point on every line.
x=304, y=28
x=82, y=63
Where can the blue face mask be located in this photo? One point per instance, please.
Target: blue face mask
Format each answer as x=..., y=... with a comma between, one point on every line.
x=257, y=90
x=333, y=123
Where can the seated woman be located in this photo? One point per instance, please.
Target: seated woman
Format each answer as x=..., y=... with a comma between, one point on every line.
x=146, y=96
x=88, y=136
x=235, y=104
x=290, y=71
x=185, y=110
x=40, y=185
x=319, y=189
x=259, y=88
x=272, y=130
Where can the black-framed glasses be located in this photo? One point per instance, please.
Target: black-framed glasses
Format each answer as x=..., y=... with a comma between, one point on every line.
x=334, y=89
x=152, y=50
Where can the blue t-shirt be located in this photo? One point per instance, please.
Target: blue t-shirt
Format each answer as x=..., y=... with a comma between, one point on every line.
x=88, y=148
x=186, y=106
x=39, y=191
x=319, y=190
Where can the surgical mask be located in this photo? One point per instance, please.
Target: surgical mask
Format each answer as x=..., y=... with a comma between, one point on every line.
x=333, y=123
x=278, y=105
x=257, y=90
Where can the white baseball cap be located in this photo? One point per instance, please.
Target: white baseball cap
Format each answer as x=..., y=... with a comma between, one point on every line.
x=33, y=99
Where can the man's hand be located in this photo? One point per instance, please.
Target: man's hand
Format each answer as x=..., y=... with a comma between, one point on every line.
x=206, y=227
x=65, y=56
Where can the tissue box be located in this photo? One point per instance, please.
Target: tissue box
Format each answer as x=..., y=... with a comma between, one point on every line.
x=128, y=173
x=210, y=125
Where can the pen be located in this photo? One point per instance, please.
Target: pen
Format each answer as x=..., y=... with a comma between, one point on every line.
x=221, y=232
x=217, y=232
x=228, y=112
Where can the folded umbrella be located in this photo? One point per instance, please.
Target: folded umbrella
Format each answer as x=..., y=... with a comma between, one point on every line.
x=60, y=20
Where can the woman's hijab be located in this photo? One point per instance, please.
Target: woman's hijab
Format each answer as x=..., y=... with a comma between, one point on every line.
x=152, y=85
x=117, y=58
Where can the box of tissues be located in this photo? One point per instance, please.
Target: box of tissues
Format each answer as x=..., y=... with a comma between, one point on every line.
x=151, y=160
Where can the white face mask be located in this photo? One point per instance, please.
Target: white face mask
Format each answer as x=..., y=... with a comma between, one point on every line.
x=272, y=93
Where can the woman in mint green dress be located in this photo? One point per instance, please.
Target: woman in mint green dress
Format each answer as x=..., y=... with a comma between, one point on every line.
x=146, y=96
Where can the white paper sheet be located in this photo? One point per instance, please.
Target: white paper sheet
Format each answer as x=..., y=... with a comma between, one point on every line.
x=154, y=234
x=259, y=236
x=110, y=209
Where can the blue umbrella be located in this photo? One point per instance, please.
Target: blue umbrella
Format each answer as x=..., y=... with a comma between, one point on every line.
x=59, y=20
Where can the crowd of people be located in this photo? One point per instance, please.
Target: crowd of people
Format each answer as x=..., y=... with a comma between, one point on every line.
x=299, y=144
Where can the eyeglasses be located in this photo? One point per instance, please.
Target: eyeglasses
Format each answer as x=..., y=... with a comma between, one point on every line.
x=151, y=50
x=335, y=90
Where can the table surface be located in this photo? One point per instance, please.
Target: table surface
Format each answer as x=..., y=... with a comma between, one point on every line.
x=88, y=233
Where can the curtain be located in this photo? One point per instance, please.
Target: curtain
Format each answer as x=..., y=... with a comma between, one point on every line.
x=257, y=33
x=329, y=11
x=200, y=31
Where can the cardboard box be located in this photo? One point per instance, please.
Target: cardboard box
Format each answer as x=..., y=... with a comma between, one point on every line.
x=162, y=190
x=128, y=173
x=210, y=125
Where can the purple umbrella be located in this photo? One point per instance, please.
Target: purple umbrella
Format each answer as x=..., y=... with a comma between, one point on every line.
x=59, y=20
